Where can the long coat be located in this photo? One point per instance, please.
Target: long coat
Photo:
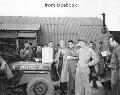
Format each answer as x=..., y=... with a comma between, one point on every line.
x=115, y=65
x=72, y=68
x=64, y=77
x=115, y=71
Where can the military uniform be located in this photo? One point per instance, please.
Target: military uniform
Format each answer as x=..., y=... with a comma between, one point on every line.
x=72, y=69
x=115, y=71
x=82, y=86
x=26, y=54
x=5, y=75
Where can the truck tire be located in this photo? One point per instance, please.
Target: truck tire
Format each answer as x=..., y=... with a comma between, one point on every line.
x=41, y=86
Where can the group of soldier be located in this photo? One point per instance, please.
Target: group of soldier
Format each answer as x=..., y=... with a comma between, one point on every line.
x=72, y=64
x=75, y=61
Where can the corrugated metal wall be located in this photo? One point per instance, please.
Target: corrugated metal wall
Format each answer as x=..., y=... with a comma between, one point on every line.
x=70, y=28
x=56, y=28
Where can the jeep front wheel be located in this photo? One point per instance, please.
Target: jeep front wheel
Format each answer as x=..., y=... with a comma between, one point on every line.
x=41, y=86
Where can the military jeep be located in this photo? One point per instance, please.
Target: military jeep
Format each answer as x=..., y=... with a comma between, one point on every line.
x=36, y=75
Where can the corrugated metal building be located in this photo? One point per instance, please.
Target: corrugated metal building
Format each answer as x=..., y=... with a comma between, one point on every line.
x=45, y=29
x=18, y=29
x=67, y=28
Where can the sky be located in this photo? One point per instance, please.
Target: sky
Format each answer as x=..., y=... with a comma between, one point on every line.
x=81, y=8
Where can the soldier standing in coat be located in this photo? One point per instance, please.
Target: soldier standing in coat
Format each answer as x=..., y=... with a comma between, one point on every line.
x=115, y=65
x=62, y=65
x=93, y=74
x=72, y=61
x=82, y=86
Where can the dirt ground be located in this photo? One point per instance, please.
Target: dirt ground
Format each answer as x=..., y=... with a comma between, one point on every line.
x=98, y=91
x=19, y=91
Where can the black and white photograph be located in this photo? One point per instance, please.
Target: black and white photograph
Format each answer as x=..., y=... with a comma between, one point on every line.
x=59, y=47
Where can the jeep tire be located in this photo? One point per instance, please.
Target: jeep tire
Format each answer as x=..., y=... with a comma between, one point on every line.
x=41, y=86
